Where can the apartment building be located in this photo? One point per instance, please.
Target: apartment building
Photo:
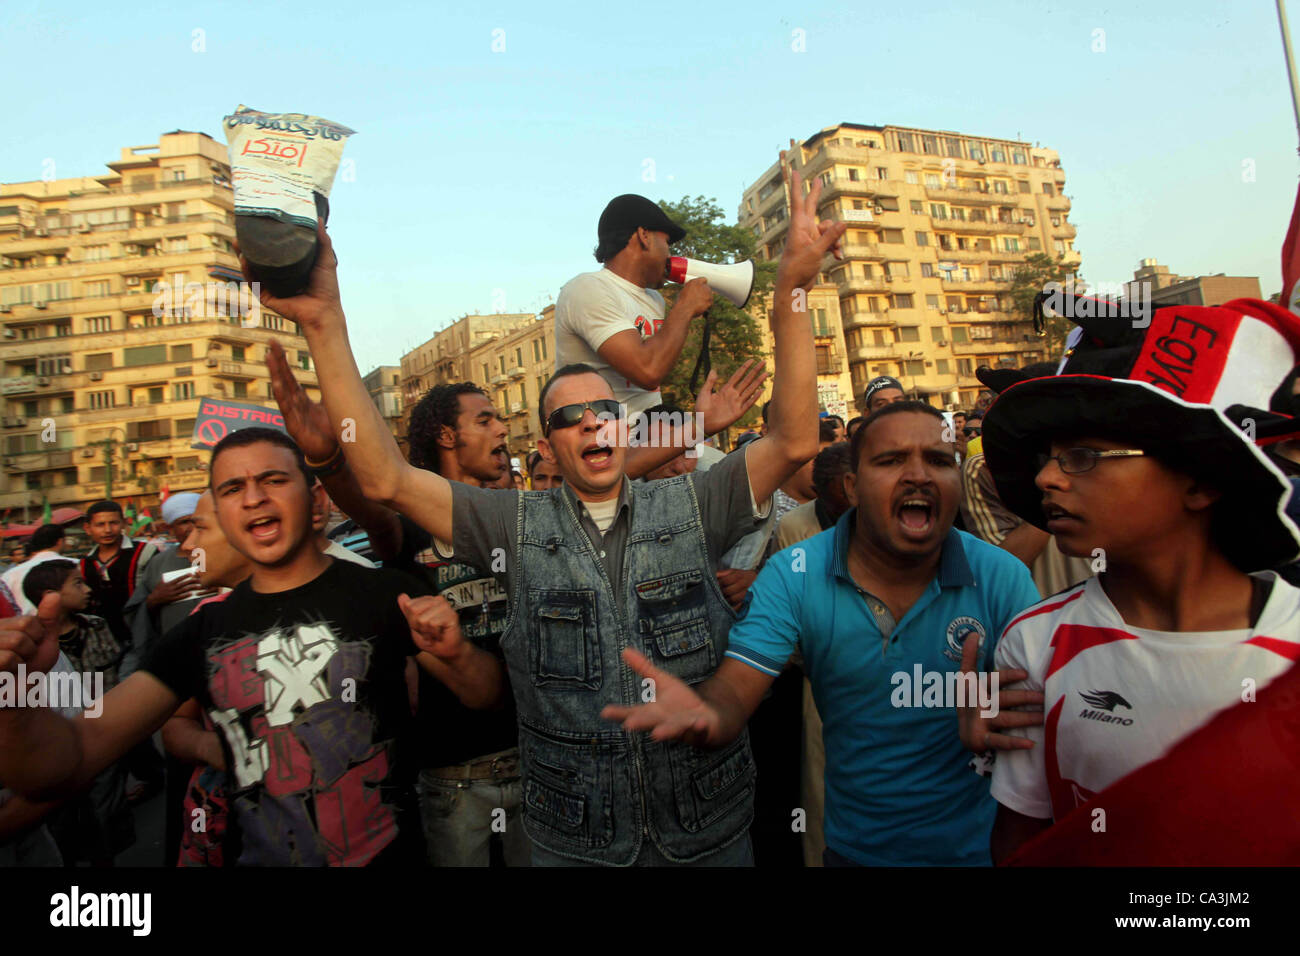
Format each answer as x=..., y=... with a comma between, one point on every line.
x=121, y=309
x=1166, y=288
x=384, y=384
x=938, y=222
x=509, y=356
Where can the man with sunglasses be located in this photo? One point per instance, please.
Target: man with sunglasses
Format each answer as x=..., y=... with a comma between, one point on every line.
x=1146, y=465
x=592, y=568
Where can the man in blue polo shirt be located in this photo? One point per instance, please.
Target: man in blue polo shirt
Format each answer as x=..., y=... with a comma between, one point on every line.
x=887, y=596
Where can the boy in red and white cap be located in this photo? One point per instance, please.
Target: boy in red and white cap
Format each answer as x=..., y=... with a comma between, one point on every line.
x=1140, y=454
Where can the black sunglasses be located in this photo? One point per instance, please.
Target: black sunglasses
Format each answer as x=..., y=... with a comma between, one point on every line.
x=566, y=416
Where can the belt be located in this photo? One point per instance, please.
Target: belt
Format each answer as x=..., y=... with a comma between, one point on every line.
x=496, y=767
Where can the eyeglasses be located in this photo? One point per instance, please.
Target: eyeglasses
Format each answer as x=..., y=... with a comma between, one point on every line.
x=1075, y=461
x=968, y=432
x=566, y=416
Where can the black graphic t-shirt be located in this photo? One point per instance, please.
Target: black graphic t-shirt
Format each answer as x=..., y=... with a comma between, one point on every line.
x=449, y=732
x=307, y=690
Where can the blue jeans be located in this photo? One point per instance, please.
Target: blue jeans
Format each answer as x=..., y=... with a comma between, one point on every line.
x=739, y=853
x=460, y=816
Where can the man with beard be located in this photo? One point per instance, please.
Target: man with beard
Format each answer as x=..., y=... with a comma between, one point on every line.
x=886, y=597
x=613, y=319
x=592, y=568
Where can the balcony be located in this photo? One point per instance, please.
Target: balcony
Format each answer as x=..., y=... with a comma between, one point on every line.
x=988, y=347
x=858, y=320
x=240, y=370
x=873, y=353
x=1064, y=231
x=967, y=196
x=977, y=228
x=842, y=186
x=974, y=285
x=855, y=285
x=833, y=365
x=516, y=371
x=1057, y=203
x=863, y=250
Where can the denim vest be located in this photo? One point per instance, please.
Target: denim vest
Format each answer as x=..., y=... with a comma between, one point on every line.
x=591, y=790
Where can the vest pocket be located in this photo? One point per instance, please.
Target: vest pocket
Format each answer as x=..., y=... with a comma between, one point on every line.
x=708, y=784
x=567, y=790
x=562, y=635
x=674, y=615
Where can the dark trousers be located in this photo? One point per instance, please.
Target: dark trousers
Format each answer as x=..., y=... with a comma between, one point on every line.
x=776, y=736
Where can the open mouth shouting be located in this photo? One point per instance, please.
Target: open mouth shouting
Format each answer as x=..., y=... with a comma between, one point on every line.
x=598, y=455
x=264, y=529
x=916, y=514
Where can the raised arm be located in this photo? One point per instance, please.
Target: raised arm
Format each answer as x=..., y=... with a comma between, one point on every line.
x=308, y=424
x=646, y=361
x=382, y=474
x=791, y=437
x=720, y=410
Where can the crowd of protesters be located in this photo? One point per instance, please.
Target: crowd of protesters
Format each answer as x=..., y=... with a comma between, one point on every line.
x=915, y=638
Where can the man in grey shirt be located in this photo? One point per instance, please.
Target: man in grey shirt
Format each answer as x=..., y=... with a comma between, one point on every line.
x=600, y=574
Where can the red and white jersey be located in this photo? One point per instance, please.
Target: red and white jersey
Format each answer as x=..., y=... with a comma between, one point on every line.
x=1116, y=697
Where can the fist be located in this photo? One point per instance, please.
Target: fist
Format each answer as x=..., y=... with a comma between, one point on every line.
x=31, y=640
x=695, y=297
x=435, y=626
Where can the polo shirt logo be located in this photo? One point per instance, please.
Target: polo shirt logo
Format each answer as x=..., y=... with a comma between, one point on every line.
x=960, y=628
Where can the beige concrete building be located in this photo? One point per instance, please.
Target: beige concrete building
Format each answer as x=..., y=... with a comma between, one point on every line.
x=385, y=387
x=1169, y=289
x=120, y=311
x=937, y=224
x=445, y=358
x=510, y=356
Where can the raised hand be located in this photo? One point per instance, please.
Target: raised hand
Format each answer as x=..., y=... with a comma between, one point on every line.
x=31, y=640
x=695, y=297
x=321, y=302
x=980, y=733
x=435, y=626
x=675, y=712
x=307, y=422
x=807, y=240
x=724, y=407
x=177, y=589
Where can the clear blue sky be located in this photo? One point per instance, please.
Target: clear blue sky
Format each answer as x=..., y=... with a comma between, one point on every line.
x=479, y=171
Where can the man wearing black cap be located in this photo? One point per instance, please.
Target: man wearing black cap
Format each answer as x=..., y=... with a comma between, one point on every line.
x=613, y=319
x=882, y=391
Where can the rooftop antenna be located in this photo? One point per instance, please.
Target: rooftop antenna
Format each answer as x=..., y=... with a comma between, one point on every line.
x=1290, y=61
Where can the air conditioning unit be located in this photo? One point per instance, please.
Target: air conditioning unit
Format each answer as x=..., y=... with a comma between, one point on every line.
x=96, y=376
x=928, y=364
x=42, y=381
x=877, y=209
x=943, y=343
x=42, y=232
x=131, y=248
x=132, y=446
x=211, y=363
x=6, y=308
x=132, y=280
x=87, y=453
x=84, y=227
x=39, y=305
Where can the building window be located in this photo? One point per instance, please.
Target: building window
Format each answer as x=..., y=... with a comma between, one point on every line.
x=901, y=300
x=1011, y=244
x=1018, y=157
x=893, y=236
x=237, y=353
x=182, y=391
x=101, y=400
x=938, y=211
x=922, y=238
x=1035, y=245
x=178, y=244
x=882, y=172
x=941, y=366
x=99, y=323
x=304, y=361
x=909, y=333
x=927, y=270
x=1022, y=186
x=918, y=207
x=959, y=334
x=184, y=427
x=95, y=290
x=911, y=177
x=94, y=254
x=144, y=355
x=241, y=390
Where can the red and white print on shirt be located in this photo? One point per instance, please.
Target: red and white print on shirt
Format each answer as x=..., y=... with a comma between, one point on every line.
x=1117, y=697
x=647, y=327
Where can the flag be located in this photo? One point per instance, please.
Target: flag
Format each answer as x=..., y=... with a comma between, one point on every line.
x=163, y=493
x=1290, y=298
x=144, y=519
x=47, y=514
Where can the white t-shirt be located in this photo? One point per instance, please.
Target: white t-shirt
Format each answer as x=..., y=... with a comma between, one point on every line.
x=337, y=550
x=15, y=576
x=591, y=308
x=1117, y=697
